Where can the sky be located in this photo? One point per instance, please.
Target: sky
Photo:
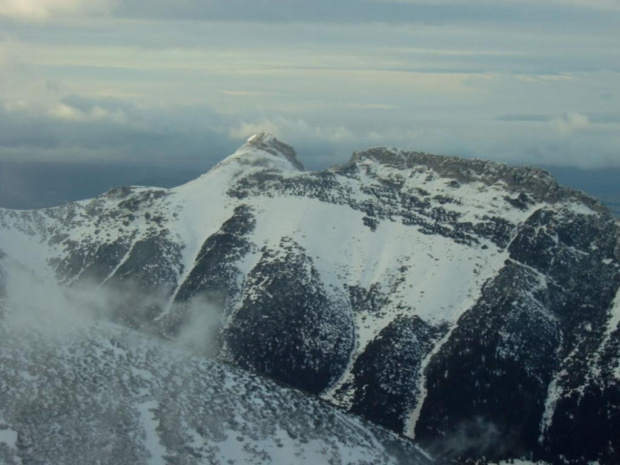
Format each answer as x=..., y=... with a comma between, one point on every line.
x=184, y=82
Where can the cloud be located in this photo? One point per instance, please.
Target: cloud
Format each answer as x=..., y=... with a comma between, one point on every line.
x=78, y=129
x=364, y=11
x=372, y=106
x=522, y=118
x=567, y=119
x=570, y=122
x=38, y=10
x=244, y=93
x=107, y=130
x=319, y=145
x=16, y=106
x=298, y=130
x=62, y=111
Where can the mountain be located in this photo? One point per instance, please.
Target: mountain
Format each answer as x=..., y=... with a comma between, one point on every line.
x=93, y=392
x=467, y=304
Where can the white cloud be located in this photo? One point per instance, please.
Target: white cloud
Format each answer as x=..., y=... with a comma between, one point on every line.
x=245, y=129
x=570, y=122
x=371, y=106
x=244, y=93
x=16, y=106
x=293, y=130
x=65, y=112
x=39, y=10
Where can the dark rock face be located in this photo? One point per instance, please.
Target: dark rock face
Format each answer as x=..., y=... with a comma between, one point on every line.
x=214, y=281
x=545, y=307
x=289, y=328
x=586, y=425
x=92, y=264
x=213, y=285
x=145, y=280
x=214, y=274
x=489, y=381
x=386, y=375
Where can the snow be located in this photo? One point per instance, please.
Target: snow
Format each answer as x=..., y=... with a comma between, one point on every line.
x=201, y=207
x=612, y=325
x=150, y=423
x=555, y=390
x=410, y=267
x=579, y=208
x=614, y=320
x=130, y=398
x=347, y=253
x=414, y=415
x=8, y=436
x=24, y=251
x=120, y=263
x=554, y=394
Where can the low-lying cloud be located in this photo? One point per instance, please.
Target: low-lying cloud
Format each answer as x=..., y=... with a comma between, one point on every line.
x=105, y=130
x=570, y=122
x=112, y=131
x=32, y=300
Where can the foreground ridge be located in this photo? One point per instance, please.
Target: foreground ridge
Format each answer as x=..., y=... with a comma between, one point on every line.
x=130, y=399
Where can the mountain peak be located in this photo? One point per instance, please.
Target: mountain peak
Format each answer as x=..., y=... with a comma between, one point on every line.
x=263, y=150
x=269, y=143
x=261, y=137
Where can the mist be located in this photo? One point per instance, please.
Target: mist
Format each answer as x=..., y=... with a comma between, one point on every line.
x=33, y=301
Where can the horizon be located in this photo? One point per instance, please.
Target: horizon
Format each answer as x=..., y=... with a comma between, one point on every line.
x=31, y=186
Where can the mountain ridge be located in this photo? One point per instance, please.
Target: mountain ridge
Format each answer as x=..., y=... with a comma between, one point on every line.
x=381, y=285
x=537, y=180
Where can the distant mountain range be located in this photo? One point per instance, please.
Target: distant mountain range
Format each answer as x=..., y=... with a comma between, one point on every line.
x=467, y=304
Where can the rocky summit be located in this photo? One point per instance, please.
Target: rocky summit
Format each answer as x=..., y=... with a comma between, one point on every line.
x=469, y=305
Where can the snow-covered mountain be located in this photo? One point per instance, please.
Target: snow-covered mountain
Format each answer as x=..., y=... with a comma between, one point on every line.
x=471, y=305
x=96, y=393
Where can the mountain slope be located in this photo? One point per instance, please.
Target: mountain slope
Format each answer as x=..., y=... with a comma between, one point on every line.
x=466, y=303
x=96, y=393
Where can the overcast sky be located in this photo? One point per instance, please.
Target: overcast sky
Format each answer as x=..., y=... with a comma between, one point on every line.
x=186, y=81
